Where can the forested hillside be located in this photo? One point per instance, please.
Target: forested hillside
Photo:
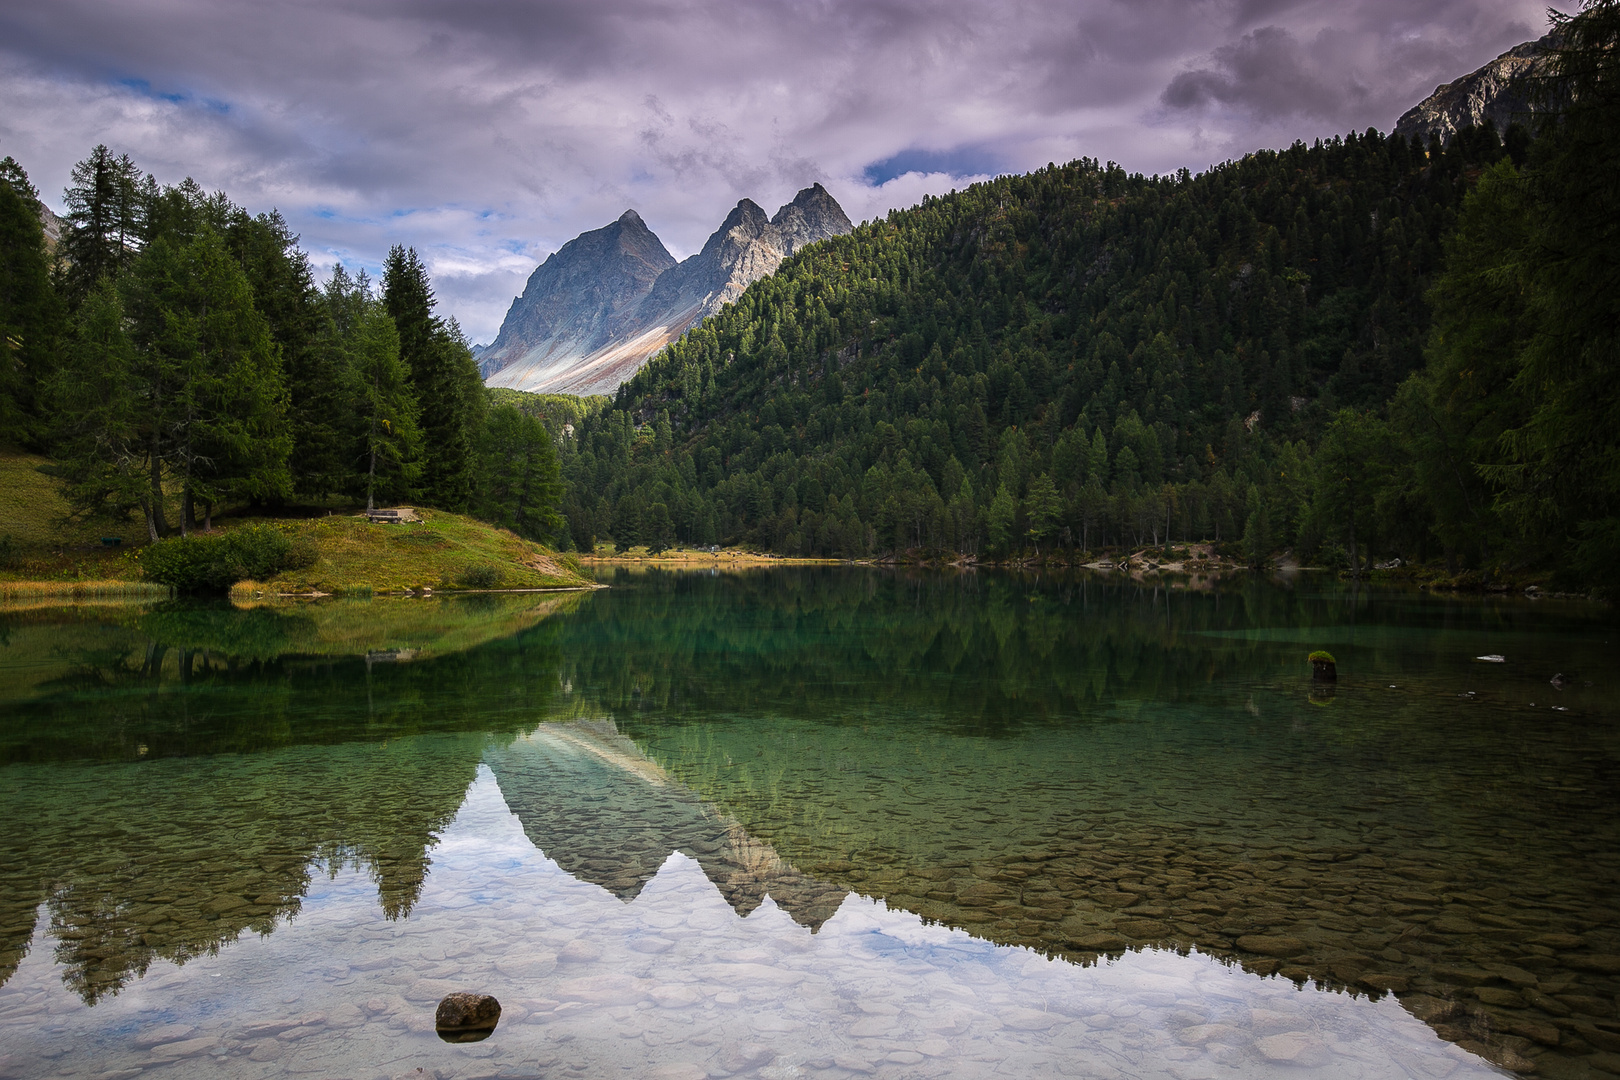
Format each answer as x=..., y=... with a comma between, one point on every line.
x=176, y=351
x=1079, y=350
x=1082, y=358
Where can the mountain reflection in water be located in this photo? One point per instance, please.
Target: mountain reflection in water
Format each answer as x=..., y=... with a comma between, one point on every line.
x=673, y=981
x=1124, y=776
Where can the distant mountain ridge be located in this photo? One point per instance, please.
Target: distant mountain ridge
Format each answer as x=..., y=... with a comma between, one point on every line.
x=609, y=299
x=1495, y=94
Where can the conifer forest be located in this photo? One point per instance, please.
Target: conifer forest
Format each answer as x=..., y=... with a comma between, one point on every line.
x=1349, y=351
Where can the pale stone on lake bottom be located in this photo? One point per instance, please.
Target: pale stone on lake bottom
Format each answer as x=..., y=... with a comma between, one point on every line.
x=1292, y=1048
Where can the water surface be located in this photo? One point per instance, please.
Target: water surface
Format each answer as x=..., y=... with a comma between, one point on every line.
x=813, y=823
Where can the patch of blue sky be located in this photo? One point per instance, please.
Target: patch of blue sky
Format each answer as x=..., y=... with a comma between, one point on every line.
x=958, y=161
x=144, y=88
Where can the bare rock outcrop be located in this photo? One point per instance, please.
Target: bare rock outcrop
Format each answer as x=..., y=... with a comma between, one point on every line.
x=1497, y=94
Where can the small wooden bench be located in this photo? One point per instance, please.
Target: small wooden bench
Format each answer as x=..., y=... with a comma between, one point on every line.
x=392, y=517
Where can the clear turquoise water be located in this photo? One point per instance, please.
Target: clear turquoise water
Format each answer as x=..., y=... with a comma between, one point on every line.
x=813, y=822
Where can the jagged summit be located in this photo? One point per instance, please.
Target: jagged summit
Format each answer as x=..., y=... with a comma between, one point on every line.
x=809, y=217
x=1494, y=94
x=615, y=296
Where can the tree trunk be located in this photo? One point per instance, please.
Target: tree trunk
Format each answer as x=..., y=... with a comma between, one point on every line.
x=208, y=516
x=187, y=511
x=371, y=473
x=157, y=525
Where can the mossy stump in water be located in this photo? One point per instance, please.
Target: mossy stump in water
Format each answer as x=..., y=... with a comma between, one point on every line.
x=1323, y=667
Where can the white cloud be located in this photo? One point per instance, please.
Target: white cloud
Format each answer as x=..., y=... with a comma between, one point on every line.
x=487, y=133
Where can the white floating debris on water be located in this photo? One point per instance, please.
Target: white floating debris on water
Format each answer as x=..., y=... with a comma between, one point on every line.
x=1492, y=658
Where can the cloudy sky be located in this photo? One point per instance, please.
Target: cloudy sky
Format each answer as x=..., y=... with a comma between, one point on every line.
x=486, y=133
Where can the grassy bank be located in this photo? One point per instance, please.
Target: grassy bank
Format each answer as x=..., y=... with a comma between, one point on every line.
x=441, y=553
x=44, y=554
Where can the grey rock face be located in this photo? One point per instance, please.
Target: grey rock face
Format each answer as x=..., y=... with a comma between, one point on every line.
x=574, y=297
x=610, y=303
x=1495, y=95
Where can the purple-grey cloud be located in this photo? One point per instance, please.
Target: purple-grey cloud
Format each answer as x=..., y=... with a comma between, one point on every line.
x=489, y=132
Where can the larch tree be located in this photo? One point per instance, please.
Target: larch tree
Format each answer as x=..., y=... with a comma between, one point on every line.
x=107, y=203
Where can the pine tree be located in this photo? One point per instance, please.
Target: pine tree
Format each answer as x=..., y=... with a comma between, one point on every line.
x=209, y=377
x=999, y=521
x=30, y=316
x=97, y=435
x=106, y=219
x=444, y=376
x=1562, y=486
x=1257, y=530
x=390, y=441
x=1044, y=509
x=284, y=293
x=519, y=487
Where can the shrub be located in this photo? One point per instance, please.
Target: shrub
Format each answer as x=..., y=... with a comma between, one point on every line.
x=215, y=563
x=482, y=576
x=1321, y=656
x=302, y=554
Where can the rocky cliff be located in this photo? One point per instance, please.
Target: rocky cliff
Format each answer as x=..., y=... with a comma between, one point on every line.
x=1495, y=94
x=575, y=299
x=595, y=311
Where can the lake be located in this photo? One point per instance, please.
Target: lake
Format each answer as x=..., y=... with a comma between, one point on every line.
x=815, y=822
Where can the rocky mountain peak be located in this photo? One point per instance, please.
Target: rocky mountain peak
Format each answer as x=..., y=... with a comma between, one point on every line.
x=746, y=222
x=616, y=296
x=812, y=215
x=1495, y=94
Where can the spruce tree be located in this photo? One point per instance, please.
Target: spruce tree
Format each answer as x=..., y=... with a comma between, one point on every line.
x=98, y=435
x=519, y=487
x=386, y=438
x=30, y=316
x=444, y=377
x=284, y=293
x=208, y=378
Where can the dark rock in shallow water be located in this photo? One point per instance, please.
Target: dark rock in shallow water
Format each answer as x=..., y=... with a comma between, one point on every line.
x=467, y=1017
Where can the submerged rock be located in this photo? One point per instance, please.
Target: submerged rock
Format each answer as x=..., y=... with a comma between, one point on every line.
x=466, y=1017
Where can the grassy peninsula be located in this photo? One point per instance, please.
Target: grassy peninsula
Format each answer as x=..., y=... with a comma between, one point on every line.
x=45, y=553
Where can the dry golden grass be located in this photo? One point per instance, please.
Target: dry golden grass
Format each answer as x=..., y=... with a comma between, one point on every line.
x=13, y=592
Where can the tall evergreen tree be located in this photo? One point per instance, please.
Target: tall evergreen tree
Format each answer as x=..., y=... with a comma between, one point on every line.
x=209, y=377
x=1563, y=482
x=519, y=487
x=107, y=203
x=30, y=315
x=284, y=293
x=445, y=378
x=386, y=458
x=99, y=432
